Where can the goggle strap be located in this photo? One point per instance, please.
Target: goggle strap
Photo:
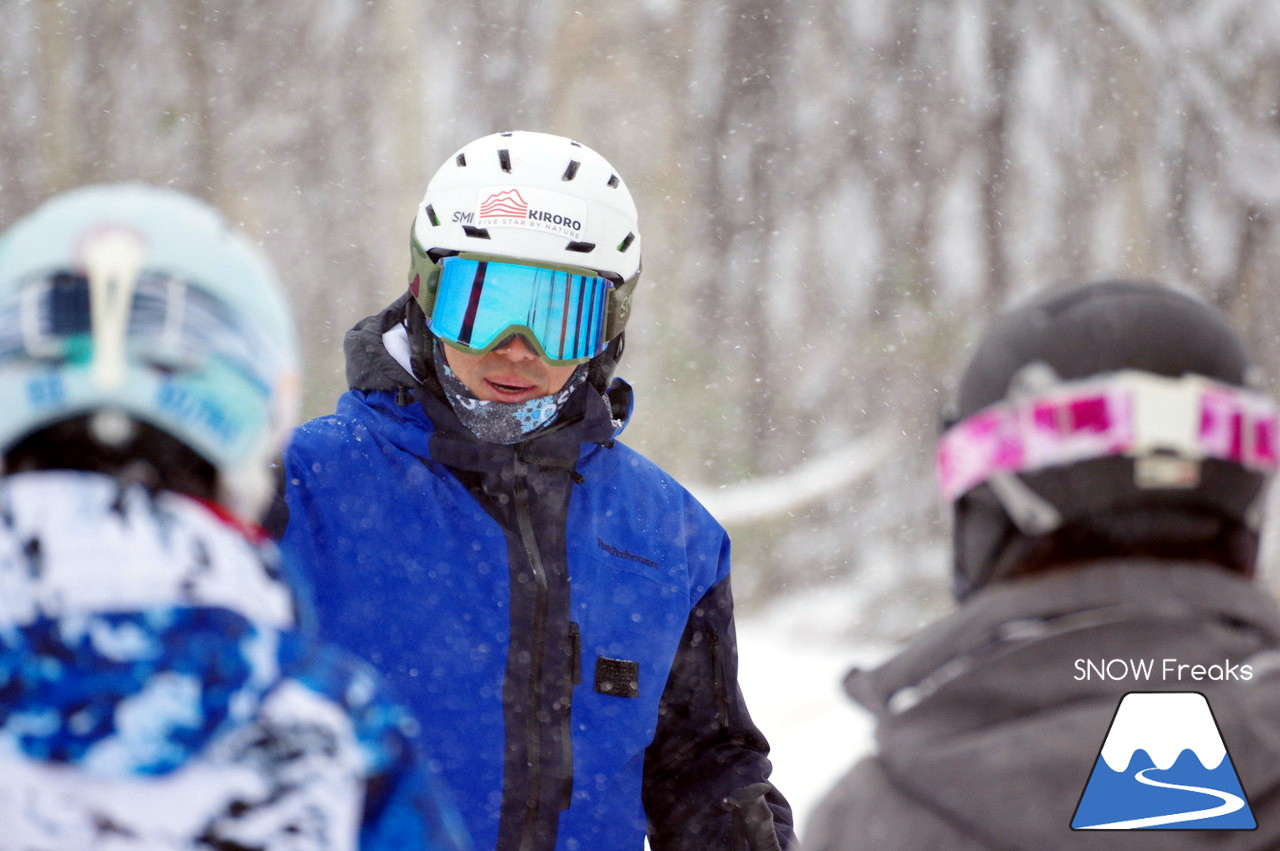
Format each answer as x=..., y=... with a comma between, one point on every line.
x=1126, y=413
x=619, y=307
x=424, y=275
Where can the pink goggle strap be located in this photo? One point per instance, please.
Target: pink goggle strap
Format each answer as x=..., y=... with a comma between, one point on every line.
x=1097, y=419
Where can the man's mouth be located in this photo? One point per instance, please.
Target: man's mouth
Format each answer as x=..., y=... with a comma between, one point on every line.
x=507, y=390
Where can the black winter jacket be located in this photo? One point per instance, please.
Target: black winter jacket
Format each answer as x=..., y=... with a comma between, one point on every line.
x=989, y=724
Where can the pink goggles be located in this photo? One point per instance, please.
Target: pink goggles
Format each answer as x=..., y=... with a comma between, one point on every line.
x=1122, y=413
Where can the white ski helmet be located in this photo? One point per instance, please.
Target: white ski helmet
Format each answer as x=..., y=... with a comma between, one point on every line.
x=126, y=302
x=534, y=198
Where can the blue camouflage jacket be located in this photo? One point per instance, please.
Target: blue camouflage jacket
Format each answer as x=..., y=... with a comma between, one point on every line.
x=159, y=688
x=556, y=613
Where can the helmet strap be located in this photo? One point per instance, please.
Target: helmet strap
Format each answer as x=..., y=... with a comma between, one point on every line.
x=422, y=354
x=1031, y=513
x=603, y=365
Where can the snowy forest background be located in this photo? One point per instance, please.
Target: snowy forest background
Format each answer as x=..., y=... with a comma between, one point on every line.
x=836, y=196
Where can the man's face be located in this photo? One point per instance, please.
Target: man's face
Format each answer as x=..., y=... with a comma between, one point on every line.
x=513, y=372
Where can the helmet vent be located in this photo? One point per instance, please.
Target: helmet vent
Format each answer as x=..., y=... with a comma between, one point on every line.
x=504, y=160
x=581, y=247
x=431, y=216
x=571, y=171
x=478, y=233
x=461, y=160
x=626, y=242
x=613, y=181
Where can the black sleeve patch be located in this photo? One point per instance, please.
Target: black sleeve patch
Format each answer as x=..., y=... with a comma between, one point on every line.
x=617, y=677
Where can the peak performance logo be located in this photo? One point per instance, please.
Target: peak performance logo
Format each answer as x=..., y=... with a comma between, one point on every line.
x=1163, y=765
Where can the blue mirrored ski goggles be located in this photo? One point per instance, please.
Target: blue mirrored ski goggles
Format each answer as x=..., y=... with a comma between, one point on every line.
x=480, y=304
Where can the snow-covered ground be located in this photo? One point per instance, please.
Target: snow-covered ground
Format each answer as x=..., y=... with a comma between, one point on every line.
x=792, y=664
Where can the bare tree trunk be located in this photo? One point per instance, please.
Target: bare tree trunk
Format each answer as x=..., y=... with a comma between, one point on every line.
x=1003, y=53
x=204, y=173
x=59, y=165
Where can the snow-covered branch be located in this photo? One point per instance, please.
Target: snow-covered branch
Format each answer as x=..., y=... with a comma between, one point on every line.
x=760, y=499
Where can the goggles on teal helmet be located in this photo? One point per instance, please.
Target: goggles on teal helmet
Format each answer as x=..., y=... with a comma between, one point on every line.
x=482, y=303
x=171, y=325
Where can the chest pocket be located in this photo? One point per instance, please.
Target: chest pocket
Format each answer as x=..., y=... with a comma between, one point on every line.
x=631, y=612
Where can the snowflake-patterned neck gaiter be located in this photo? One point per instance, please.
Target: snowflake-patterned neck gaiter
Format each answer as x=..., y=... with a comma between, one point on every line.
x=502, y=422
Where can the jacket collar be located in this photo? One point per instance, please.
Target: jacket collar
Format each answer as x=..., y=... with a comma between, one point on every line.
x=370, y=366
x=1009, y=617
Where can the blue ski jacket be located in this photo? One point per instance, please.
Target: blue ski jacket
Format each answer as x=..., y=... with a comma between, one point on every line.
x=557, y=614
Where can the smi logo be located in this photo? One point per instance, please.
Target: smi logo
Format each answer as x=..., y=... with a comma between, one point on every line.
x=503, y=205
x=1164, y=766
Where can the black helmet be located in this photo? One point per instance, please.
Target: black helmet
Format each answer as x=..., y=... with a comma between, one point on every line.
x=1105, y=504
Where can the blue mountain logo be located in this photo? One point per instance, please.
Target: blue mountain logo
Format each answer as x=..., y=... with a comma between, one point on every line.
x=1163, y=766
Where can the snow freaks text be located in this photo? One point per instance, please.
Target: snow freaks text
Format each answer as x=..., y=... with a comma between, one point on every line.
x=1167, y=670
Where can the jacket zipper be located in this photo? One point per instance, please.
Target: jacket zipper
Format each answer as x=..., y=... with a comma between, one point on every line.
x=566, y=714
x=533, y=730
x=717, y=667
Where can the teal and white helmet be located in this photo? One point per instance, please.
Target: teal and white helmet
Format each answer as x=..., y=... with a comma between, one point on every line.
x=534, y=198
x=126, y=302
